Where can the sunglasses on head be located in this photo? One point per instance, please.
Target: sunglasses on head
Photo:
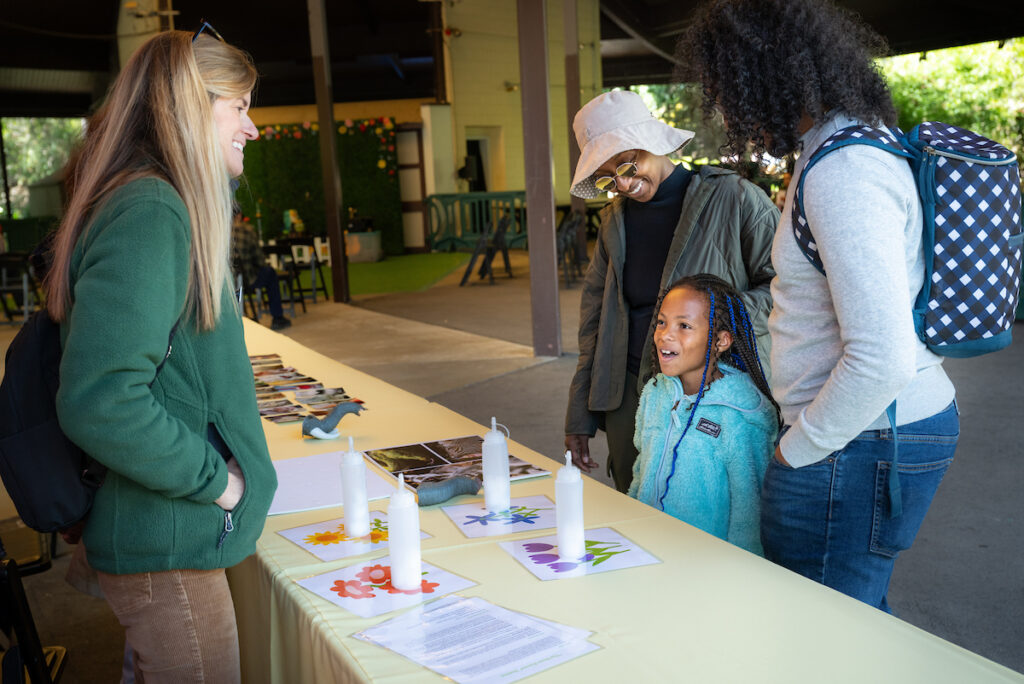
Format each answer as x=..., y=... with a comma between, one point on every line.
x=623, y=170
x=205, y=26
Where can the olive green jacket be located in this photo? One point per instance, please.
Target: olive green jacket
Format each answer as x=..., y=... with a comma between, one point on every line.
x=156, y=510
x=726, y=228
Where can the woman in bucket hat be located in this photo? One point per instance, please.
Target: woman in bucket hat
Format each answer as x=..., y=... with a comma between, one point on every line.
x=665, y=222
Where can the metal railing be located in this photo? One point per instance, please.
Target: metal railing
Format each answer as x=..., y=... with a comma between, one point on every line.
x=458, y=219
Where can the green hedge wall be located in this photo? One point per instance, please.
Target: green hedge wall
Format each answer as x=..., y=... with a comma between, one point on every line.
x=282, y=171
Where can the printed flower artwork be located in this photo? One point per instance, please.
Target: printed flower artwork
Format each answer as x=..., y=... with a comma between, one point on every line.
x=524, y=513
x=598, y=552
x=352, y=589
x=366, y=589
x=328, y=540
x=325, y=538
x=516, y=514
x=604, y=550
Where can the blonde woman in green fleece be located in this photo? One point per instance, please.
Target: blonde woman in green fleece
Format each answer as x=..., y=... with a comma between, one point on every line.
x=143, y=250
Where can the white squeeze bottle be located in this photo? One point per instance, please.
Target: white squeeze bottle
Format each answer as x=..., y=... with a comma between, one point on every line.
x=569, y=511
x=404, y=538
x=497, y=490
x=353, y=490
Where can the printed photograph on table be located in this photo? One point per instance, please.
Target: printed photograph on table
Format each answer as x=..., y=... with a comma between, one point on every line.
x=327, y=540
x=405, y=458
x=285, y=418
x=322, y=396
x=277, y=409
x=365, y=588
x=606, y=550
x=444, y=459
x=525, y=513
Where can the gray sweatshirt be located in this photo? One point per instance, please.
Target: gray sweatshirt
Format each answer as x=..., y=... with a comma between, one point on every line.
x=843, y=347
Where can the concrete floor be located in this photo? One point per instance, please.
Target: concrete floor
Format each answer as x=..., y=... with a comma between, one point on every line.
x=469, y=349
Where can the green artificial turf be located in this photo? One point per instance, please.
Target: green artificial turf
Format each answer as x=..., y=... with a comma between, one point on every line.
x=406, y=273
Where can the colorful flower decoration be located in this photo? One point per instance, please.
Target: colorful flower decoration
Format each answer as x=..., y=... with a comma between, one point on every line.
x=375, y=574
x=352, y=589
x=424, y=588
x=325, y=538
x=381, y=128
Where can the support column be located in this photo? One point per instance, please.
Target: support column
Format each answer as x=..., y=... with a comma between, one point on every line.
x=328, y=151
x=540, y=190
x=572, y=89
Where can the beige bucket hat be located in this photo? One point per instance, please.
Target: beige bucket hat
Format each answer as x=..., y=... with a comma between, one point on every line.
x=612, y=123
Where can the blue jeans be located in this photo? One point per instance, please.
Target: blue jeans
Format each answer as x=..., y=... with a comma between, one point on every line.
x=829, y=521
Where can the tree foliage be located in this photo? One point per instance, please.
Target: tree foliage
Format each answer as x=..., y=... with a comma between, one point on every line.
x=678, y=105
x=35, y=148
x=980, y=87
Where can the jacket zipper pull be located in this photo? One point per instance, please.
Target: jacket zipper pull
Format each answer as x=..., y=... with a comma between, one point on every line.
x=228, y=528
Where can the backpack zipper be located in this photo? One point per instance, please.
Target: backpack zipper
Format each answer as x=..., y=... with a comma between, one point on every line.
x=986, y=161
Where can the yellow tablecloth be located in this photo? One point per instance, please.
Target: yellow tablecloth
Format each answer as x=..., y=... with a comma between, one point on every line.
x=707, y=612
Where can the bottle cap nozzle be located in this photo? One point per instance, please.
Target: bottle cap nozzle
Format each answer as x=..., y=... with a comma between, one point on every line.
x=494, y=423
x=351, y=444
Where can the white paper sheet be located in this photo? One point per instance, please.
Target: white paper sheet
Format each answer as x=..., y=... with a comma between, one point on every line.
x=472, y=640
x=525, y=513
x=307, y=483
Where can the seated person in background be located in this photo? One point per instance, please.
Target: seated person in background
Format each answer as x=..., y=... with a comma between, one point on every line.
x=248, y=260
x=706, y=424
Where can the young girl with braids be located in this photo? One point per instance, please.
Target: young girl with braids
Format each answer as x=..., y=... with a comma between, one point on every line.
x=706, y=424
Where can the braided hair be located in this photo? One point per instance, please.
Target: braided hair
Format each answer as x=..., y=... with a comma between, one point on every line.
x=726, y=312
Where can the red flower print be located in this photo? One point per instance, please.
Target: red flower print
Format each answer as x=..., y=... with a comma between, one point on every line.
x=362, y=128
x=425, y=588
x=352, y=589
x=298, y=135
x=391, y=148
x=375, y=574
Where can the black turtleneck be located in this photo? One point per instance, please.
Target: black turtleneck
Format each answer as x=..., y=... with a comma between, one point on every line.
x=649, y=229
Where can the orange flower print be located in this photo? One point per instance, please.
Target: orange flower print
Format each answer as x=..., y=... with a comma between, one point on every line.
x=325, y=538
x=352, y=589
x=378, y=536
x=425, y=588
x=375, y=574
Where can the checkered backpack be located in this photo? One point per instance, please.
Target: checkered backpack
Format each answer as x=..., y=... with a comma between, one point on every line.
x=970, y=193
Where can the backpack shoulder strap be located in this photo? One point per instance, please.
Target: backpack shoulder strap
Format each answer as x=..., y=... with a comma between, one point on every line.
x=881, y=138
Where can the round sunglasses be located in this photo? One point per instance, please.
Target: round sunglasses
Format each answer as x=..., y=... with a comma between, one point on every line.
x=623, y=170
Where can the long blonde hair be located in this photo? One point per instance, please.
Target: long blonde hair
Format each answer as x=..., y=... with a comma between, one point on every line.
x=157, y=121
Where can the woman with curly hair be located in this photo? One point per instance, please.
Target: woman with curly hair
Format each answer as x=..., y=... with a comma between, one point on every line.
x=786, y=75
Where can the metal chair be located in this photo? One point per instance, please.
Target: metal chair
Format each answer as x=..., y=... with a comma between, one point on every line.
x=316, y=267
x=18, y=282
x=26, y=660
x=287, y=272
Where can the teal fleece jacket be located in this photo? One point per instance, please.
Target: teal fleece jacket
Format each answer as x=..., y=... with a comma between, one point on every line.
x=156, y=510
x=719, y=465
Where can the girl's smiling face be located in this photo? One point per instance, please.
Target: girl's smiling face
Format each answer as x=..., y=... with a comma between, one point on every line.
x=681, y=336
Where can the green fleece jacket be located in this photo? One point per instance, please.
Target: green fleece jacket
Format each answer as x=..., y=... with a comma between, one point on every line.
x=726, y=228
x=156, y=509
